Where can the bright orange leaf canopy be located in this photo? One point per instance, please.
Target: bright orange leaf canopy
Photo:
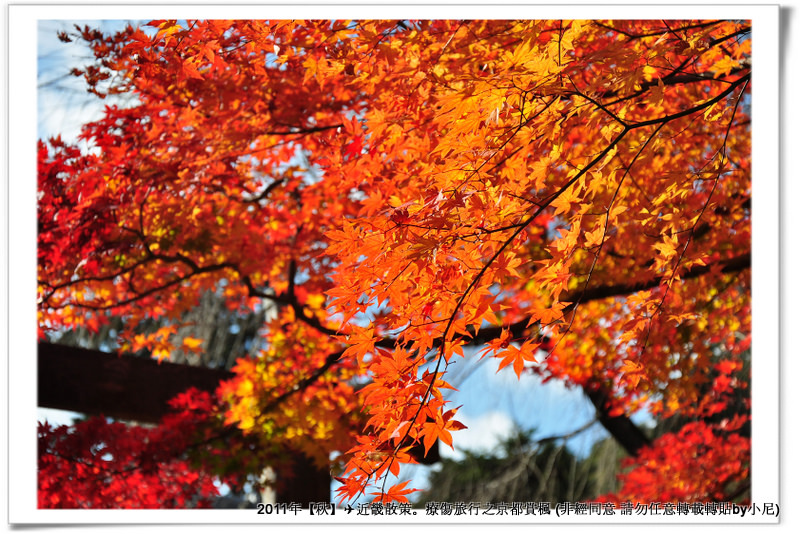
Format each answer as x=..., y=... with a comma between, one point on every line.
x=571, y=198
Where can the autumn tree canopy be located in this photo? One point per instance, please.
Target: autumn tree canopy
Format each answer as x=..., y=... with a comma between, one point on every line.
x=564, y=198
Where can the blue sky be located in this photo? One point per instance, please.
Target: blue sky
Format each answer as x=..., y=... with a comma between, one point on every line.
x=63, y=103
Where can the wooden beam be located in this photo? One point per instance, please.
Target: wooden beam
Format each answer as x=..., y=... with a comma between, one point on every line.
x=115, y=385
x=134, y=388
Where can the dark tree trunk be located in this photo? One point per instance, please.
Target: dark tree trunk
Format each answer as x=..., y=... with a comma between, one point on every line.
x=621, y=428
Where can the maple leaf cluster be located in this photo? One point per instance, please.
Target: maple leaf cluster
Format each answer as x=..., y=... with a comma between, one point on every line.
x=699, y=463
x=569, y=197
x=97, y=463
x=707, y=459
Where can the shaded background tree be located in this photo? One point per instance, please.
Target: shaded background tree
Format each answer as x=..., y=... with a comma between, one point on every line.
x=526, y=470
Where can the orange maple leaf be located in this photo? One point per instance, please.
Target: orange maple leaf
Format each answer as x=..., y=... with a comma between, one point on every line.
x=633, y=372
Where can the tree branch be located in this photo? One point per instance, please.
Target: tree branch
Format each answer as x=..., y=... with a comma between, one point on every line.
x=620, y=427
x=735, y=264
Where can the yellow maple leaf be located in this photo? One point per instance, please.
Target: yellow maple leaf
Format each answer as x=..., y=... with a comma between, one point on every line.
x=563, y=203
x=596, y=237
x=724, y=66
x=192, y=344
x=668, y=247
